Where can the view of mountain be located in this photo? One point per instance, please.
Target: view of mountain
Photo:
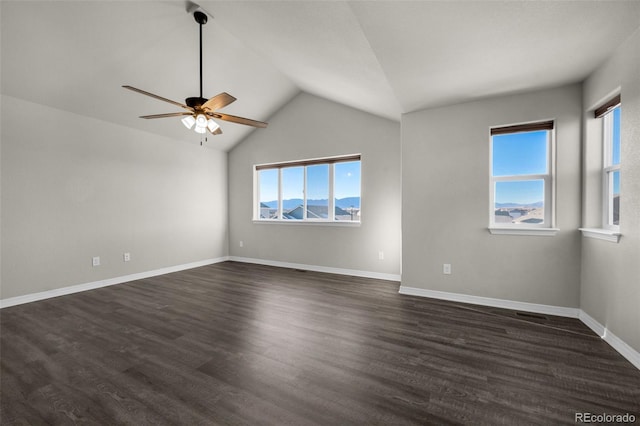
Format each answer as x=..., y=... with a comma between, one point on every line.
x=538, y=204
x=343, y=203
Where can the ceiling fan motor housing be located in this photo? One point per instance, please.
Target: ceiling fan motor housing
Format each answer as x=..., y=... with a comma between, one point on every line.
x=195, y=102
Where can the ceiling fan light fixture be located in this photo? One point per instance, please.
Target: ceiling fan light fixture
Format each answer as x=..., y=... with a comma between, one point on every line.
x=188, y=121
x=212, y=125
x=201, y=121
x=200, y=109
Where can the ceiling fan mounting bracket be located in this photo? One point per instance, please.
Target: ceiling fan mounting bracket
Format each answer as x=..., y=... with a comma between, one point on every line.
x=200, y=17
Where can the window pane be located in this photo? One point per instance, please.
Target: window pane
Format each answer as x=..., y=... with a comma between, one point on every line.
x=612, y=158
x=615, y=141
x=347, y=190
x=519, y=202
x=520, y=153
x=292, y=192
x=615, y=201
x=318, y=191
x=268, y=180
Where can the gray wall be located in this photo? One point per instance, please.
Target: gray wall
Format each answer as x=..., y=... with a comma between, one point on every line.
x=445, y=202
x=77, y=187
x=611, y=272
x=311, y=127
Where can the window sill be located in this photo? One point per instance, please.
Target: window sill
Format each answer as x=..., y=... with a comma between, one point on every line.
x=307, y=223
x=601, y=234
x=540, y=232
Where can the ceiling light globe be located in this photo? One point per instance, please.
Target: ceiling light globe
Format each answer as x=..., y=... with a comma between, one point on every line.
x=200, y=129
x=212, y=125
x=201, y=121
x=188, y=121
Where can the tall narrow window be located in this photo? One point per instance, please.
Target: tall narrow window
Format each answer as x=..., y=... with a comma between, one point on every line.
x=318, y=190
x=521, y=176
x=610, y=114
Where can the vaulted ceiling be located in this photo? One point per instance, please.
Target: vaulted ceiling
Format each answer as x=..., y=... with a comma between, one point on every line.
x=383, y=57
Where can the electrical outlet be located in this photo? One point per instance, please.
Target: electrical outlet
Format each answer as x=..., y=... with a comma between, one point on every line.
x=241, y=243
x=380, y=255
x=95, y=261
x=126, y=257
x=446, y=269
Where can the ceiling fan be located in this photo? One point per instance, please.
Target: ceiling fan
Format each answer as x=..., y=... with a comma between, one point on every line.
x=200, y=111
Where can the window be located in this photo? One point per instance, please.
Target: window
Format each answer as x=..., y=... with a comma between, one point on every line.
x=521, y=176
x=319, y=190
x=610, y=114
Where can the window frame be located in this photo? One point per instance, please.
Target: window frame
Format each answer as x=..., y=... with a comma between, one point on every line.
x=330, y=220
x=608, y=168
x=547, y=226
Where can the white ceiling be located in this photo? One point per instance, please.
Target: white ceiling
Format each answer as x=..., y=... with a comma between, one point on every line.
x=384, y=57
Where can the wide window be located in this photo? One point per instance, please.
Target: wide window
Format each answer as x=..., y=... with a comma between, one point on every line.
x=521, y=176
x=318, y=190
x=610, y=114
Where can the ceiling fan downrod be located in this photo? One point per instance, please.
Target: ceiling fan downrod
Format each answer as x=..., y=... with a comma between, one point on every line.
x=201, y=19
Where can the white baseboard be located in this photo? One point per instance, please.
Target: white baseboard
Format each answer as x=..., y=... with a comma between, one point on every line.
x=315, y=268
x=496, y=303
x=616, y=343
x=33, y=297
x=621, y=346
x=594, y=325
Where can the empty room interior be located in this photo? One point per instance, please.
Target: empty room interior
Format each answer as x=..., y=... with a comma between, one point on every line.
x=320, y=212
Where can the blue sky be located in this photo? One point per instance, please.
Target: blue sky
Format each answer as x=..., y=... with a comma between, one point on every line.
x=268, y=185
x=317, y=182
x=616, y=136
x=346, y=179
x=520, y=154
x=615, y=157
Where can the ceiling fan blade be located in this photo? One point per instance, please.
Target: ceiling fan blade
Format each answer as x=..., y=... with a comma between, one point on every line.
x=239, y=120
x=169, y=114
x=218, y=131
x=220, y=100
x=160, y=98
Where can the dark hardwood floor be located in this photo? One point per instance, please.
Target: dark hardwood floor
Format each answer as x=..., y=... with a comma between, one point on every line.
x=240, y=344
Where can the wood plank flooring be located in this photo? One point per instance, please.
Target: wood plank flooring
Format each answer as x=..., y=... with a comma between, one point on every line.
x=241, y=344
